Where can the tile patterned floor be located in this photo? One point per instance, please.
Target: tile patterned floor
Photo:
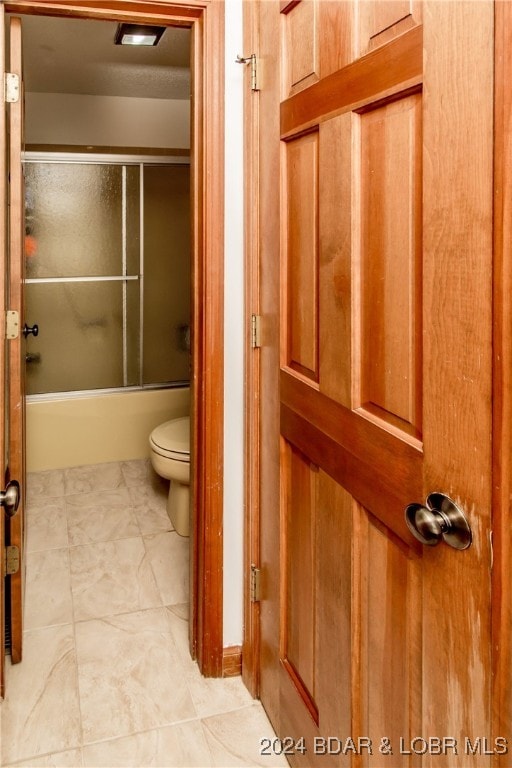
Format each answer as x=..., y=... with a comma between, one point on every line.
x=107, y=679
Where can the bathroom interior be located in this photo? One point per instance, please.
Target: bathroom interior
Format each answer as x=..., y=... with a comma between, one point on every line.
x=108, y=272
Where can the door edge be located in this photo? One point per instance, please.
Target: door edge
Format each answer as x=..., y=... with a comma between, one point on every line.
x=501, y=610
x=251, y=640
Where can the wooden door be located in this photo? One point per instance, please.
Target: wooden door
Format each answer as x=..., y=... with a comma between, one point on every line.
x=3, y=259
x=12, y=466
x=376, y=278
x=16, y=348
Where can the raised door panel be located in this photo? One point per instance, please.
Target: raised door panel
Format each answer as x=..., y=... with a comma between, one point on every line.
x=380, y=22
x=335, y=590
x=299, y=557
x=300, y=44
x=389, y=334
x=318, y=35
x=300, y=283
x=335, y=257
x=390, y=631
x=318, y=604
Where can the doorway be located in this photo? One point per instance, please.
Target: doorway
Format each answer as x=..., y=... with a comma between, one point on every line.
x=207, y=331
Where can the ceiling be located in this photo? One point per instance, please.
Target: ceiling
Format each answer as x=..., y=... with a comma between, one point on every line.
x=63, y=55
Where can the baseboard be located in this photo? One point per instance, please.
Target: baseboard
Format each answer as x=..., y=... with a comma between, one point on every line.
x=232, y=661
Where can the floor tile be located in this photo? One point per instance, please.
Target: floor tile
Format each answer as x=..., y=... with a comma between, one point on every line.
x=150, y=508
x=168, y=554
x=178, y=620
x=181, y=610
x=136, y=472
x=44, y=485
x=47, y=526
x=102, y=516
x=106, y=556
x=130, y=675
x=70, y=759
x=177, y=746
x=212, y=696
x=40, y=713
x=93, y=478
x=111, y=577
x=48, y=589
x=237, y=738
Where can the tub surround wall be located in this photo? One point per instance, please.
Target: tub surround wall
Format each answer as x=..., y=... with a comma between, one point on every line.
x=90, y=429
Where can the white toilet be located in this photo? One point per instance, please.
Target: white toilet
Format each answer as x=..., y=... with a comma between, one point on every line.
x=170, y=456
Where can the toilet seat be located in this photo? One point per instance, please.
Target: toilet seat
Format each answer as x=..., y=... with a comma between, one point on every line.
x=172, y=439
x=175, y=455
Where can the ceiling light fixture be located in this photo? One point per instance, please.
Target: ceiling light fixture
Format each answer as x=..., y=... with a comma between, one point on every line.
x=137, y=34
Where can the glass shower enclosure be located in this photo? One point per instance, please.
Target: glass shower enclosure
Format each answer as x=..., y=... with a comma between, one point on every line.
x=108, y=274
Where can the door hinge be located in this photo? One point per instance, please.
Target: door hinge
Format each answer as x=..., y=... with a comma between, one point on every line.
x=252, y=61
x=12, y=324
x=255, y=584
x=255, y=331
x=12, y=88
x=12, y=560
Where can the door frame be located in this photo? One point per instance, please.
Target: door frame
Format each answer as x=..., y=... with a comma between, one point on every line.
x=206, y=20
x=501, y=608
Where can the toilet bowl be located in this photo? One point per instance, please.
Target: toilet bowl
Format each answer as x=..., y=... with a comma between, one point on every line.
x=170, y=456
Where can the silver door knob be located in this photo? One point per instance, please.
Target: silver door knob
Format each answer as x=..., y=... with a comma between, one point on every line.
x=441, y=518
x=10, y=498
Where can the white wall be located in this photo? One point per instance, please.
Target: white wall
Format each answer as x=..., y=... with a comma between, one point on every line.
x=234, y=332
x=64, y=118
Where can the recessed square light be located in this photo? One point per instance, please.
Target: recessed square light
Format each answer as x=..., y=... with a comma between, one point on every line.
x=137, y=34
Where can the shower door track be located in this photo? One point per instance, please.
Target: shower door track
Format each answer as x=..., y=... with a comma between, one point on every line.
x=88, y=279
x=75, y=394
x=30, y=156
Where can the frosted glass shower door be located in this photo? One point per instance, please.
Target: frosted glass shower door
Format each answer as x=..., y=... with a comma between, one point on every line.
x=108, y=274
x=80, y=341
x=83, y=275
x=167, y=274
